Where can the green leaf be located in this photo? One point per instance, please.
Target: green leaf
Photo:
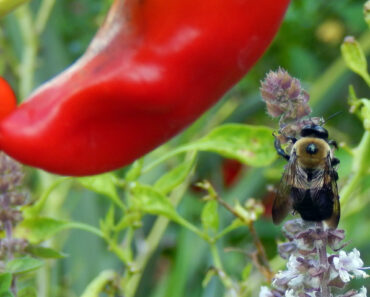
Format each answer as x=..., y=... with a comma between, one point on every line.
x=7, y=6
x=355, y=58
x=251, y=145
x=132, y=218
x=135, y=171
x=35, y=209
x=27, y=292
x=149, y=200
x=44, y=252
x=99, y=283
x=365, y=113
x=210, y=216
x=5, y=282
x=175, y=177
x=39, y=229
x=23, y=265
x=367, y=12
x=247, y=271
x=104, y=184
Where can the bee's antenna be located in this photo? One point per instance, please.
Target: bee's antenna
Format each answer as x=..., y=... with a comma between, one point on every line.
x=332, y=116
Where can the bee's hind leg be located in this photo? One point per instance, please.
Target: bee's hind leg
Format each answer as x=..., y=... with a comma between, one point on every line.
x=279, y=149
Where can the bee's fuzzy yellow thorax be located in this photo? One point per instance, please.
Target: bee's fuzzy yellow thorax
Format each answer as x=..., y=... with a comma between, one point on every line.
x=311, y=160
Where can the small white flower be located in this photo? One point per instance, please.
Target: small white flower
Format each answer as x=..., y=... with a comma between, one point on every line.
x=293, y=265
x=347, y=264
x=290, y=293
x=265, y=292
x=361, y=293
x=313, y=282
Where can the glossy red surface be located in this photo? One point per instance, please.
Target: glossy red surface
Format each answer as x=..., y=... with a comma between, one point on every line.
x=8, y=101
x=152, y=69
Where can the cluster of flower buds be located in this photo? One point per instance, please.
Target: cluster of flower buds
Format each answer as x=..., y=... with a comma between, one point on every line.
x=11, y=198
x=285, y=98
x=311, y=272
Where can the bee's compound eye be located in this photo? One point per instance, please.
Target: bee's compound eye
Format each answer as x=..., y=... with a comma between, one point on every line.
x=312, y=149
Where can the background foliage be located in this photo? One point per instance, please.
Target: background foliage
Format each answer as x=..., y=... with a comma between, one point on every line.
x=35, y=46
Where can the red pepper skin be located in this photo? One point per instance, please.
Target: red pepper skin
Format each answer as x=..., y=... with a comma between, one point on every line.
x=152, y=69
x=8, y=101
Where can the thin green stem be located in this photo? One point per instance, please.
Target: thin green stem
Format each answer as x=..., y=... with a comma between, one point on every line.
x=30, y=45
x=226, y=281
x=43, y=15
x=194, y=229
x=86, y=227
x=152, y=242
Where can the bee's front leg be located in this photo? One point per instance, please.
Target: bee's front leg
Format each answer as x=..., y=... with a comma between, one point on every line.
x=279, y=149
x=335, y=161
x=333, y=143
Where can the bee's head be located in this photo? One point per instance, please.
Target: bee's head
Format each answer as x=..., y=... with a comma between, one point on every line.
x=313, y=130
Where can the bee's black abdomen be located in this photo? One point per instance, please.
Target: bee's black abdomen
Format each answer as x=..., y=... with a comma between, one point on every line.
x=313, y=208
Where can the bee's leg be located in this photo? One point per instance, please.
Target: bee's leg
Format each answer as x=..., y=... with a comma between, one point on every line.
x=333, y=143
x=292, y=139
x=279, y=149
x=335, y=161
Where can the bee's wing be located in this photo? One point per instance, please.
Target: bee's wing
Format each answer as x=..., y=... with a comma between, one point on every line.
x=283, y=203
x=330, y=180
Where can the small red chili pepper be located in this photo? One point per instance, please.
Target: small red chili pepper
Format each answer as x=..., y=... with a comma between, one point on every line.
x=8, y=101
x=152, y=69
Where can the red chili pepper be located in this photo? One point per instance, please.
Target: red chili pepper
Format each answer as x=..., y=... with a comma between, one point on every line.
x=231, y=171
x=8, y=101
x=153, y=68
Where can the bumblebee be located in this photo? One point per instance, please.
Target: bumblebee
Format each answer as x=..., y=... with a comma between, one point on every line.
x=309, y=182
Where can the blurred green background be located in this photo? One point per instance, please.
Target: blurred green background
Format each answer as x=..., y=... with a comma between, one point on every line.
x=308, y=46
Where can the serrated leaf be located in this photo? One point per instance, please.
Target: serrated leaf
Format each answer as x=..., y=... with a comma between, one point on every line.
x=149, y=200
x=5, y=282
x=7, y=6
x=210, y=216
x=135, y=171
x=44, y=252
x=173, y=178
x=40, y=229
x=27, y=292
x=98, y=284
x=104, y=184
x=355, y=58
x=251, y=145
x=23, y=265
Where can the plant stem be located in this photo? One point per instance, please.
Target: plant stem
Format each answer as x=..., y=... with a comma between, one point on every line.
x=152, y=242
x=43, y=15
x=30, y=45
x=226, y=281
x=323, y=260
